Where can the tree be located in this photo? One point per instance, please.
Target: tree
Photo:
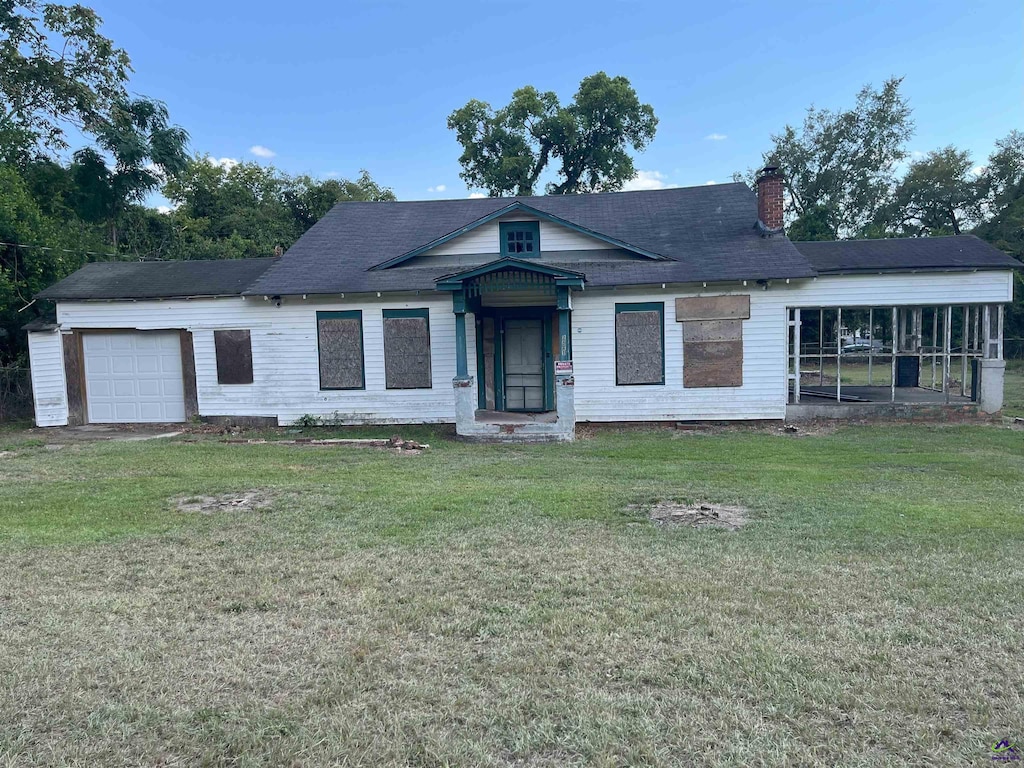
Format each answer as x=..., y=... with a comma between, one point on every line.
x=840, y=166
x=247, y=209
x=1003, y=178
x=1004, y=175
x=309, y=199
x=506, y=151
x=25, y=266
x=940, y=194
x=145, y=151
x=55, y=68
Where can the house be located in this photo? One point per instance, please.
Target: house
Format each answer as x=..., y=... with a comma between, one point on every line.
x=516, y=318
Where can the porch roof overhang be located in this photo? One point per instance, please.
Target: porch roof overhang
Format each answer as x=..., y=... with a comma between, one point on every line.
x=562, y=278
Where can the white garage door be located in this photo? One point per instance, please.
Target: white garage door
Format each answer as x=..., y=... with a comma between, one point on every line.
x=133, y=377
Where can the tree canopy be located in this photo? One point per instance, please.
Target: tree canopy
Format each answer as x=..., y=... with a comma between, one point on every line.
x=840, y=165
x=506, y=151
x=56, y=69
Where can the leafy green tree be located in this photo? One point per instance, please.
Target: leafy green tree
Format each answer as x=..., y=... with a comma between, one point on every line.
x=35, y=251
x=840, y=166
x=145, y=151
x=506, y=151
x=1003, y=178
x=940, y=194
x=309, y=199
x=55, y=69
x=247, y=209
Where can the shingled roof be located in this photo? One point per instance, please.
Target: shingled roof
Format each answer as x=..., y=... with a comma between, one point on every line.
x=694, y=234
x=685, y=235
x=955, y=253
x=158, y=279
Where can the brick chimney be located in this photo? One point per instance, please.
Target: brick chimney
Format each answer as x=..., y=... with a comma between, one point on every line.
x=769, y=200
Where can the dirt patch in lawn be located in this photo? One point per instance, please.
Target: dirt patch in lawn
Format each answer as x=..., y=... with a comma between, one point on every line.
x=244, y=501
x=699, y=515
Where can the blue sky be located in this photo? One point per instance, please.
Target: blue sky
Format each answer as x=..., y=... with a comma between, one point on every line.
x=332, y=87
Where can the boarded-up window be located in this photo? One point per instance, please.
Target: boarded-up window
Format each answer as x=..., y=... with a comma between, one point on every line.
x=340, y=339
x=234, y=357
x=640, y=343
x=713, y=339
x=407, y=349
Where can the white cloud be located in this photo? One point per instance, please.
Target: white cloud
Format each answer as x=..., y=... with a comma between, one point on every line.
x=647, y=180
x=438, y=188
x=716, y=137
x=978, y=170
x=709, y=182
x=227, y=163
x=260, y=151
x=164, y=209
x=476, y=195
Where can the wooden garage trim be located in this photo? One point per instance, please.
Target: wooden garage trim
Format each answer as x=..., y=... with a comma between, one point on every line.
x=74, y=376
x=188, y=375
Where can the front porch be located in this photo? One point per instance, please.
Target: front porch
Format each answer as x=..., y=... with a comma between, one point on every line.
x=522, y=390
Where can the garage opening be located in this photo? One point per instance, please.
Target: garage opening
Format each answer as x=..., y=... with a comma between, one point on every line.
x=133, y=376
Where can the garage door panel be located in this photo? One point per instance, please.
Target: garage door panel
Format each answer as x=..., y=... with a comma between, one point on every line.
x=121, y=363
x=134, y=377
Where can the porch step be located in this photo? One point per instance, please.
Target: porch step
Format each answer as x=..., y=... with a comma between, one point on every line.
x=508, y=417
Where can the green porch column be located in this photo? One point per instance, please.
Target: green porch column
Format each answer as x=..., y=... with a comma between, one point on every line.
x=564, y=342
x=459, y=308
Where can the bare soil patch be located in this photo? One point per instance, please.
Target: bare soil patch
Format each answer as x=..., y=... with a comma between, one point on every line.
x=245, y=501
x=698, y=515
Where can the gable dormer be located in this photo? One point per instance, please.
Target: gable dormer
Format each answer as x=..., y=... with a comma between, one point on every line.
x=521, y=232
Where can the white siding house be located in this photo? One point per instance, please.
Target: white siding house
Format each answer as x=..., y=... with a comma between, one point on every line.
x=318, y=314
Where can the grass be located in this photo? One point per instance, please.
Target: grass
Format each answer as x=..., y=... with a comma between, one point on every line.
x=1013, y=388
x=487, y=605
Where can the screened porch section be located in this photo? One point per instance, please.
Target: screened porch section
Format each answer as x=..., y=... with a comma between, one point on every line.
x=908, y=355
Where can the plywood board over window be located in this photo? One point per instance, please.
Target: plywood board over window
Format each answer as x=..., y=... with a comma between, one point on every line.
x=234, y=356
x=407, y=349
x=713, y=339
x=640, y=343
x=340, y=340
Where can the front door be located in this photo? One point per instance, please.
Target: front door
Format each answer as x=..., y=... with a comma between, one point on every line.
x=524, y=365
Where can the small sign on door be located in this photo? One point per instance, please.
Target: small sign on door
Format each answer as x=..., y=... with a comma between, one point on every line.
x=563, y=367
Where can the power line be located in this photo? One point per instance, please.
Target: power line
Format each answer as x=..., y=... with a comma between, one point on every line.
x=63, y=250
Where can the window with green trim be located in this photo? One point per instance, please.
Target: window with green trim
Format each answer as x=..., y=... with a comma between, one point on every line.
x=640, y=343
x=340, y=342
x=520, y=239
x=407, y=349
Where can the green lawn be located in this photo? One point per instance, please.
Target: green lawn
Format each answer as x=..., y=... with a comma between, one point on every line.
x=1013, y=388
x=490, y=605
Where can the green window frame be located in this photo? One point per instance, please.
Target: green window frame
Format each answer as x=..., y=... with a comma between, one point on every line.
x=649, y=306
x=520, y=239
x=348, y=314
x=421, y=314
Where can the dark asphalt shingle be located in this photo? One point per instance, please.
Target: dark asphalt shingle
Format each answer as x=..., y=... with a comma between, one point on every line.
x=707, y=231
x=158, y=279
x=960, y=252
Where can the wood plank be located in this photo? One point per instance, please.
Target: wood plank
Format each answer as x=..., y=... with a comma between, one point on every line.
x=713, y=308
x=713, y=364
x=712, y=330
x=234, y=356
x=188, y=375
x=74, y=374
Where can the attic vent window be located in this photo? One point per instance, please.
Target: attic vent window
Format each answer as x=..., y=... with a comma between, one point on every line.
x=520, y=239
